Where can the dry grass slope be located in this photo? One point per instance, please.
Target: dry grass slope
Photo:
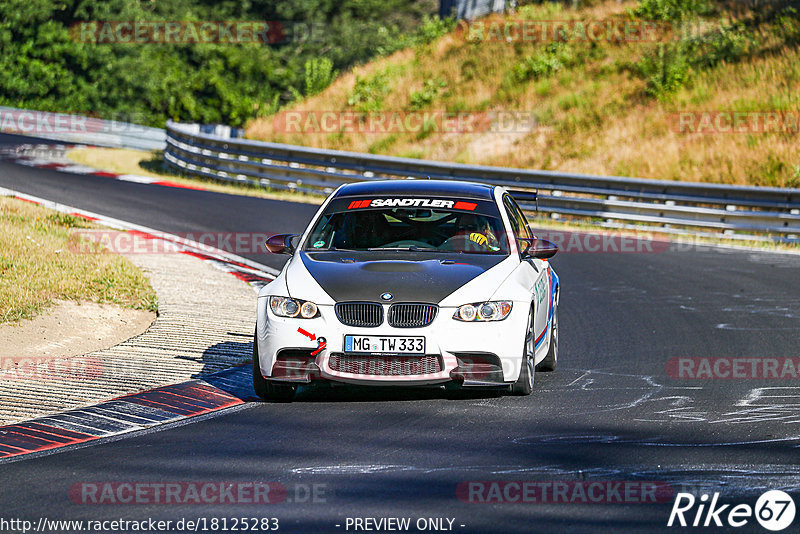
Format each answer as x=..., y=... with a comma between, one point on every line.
x=594, y=110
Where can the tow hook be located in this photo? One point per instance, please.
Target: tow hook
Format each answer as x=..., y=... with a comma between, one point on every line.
x=321, y=344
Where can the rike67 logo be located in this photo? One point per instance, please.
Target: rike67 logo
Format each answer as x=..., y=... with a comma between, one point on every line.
x=774, y=510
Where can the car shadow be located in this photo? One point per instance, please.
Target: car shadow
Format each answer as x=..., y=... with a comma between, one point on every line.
x=227, y=366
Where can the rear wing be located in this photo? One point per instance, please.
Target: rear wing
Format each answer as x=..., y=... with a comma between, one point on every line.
x=526, y=196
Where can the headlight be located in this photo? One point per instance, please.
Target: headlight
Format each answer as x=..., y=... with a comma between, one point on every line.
x=289, y=307
x=308, y=310
x=467, y=312
x=483, y=311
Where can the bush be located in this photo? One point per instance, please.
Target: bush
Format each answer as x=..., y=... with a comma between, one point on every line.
x=319, y=75
x=428, y=94
x=553, y=58
x=432, y=28
x=666, y=69
x=726, y=45
x=368, y=93
x=787, y=25
x=670, y=10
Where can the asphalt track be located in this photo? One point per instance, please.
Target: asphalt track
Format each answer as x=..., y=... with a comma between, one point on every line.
x=611, y=412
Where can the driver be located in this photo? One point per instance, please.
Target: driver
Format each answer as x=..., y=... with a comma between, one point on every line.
x=474, y=233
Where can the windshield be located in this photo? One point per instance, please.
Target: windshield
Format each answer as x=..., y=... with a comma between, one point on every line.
x=415, y=229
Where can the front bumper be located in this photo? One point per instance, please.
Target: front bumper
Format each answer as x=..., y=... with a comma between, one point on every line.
x=496, y=346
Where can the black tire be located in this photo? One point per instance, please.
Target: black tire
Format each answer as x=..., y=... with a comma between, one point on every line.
x=524, y=384
x=267, y=389
x=549, y=363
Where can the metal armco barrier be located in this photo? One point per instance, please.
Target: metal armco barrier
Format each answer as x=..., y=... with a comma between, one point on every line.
x=79, y=129
x=677, y=207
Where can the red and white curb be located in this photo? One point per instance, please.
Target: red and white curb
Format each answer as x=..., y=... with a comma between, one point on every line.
x=130, y=413
x=26, y=155
x=255, y=274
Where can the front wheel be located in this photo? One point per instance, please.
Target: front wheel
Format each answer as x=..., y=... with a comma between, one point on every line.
x=524, y=384
x=550, y=361
x=267, y=389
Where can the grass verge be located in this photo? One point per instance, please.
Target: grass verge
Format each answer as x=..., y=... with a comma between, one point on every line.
x=38, y=265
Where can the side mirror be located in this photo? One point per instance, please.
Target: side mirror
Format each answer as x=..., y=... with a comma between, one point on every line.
x=537, y=248
x=280, y=243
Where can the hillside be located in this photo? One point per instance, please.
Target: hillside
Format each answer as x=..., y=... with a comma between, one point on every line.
x=606, y=105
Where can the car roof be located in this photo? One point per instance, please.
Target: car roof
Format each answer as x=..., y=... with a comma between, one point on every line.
x=438, y=188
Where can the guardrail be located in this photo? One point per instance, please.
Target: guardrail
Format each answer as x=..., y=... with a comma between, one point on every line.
x=744, y=212
x=79, y=129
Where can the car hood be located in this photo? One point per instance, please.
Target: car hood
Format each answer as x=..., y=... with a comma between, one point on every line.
x=409, y=277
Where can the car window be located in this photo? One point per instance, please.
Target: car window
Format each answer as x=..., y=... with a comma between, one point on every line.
x=519, y=225
x=525, y=228
x=440, y=230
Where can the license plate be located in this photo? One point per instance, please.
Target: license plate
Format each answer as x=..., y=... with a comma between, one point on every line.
x=384, y=344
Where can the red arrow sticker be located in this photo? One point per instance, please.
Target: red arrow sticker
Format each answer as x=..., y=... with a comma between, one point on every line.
x=309, y=335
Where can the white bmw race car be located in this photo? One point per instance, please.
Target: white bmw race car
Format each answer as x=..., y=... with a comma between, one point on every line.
x=409, y=282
